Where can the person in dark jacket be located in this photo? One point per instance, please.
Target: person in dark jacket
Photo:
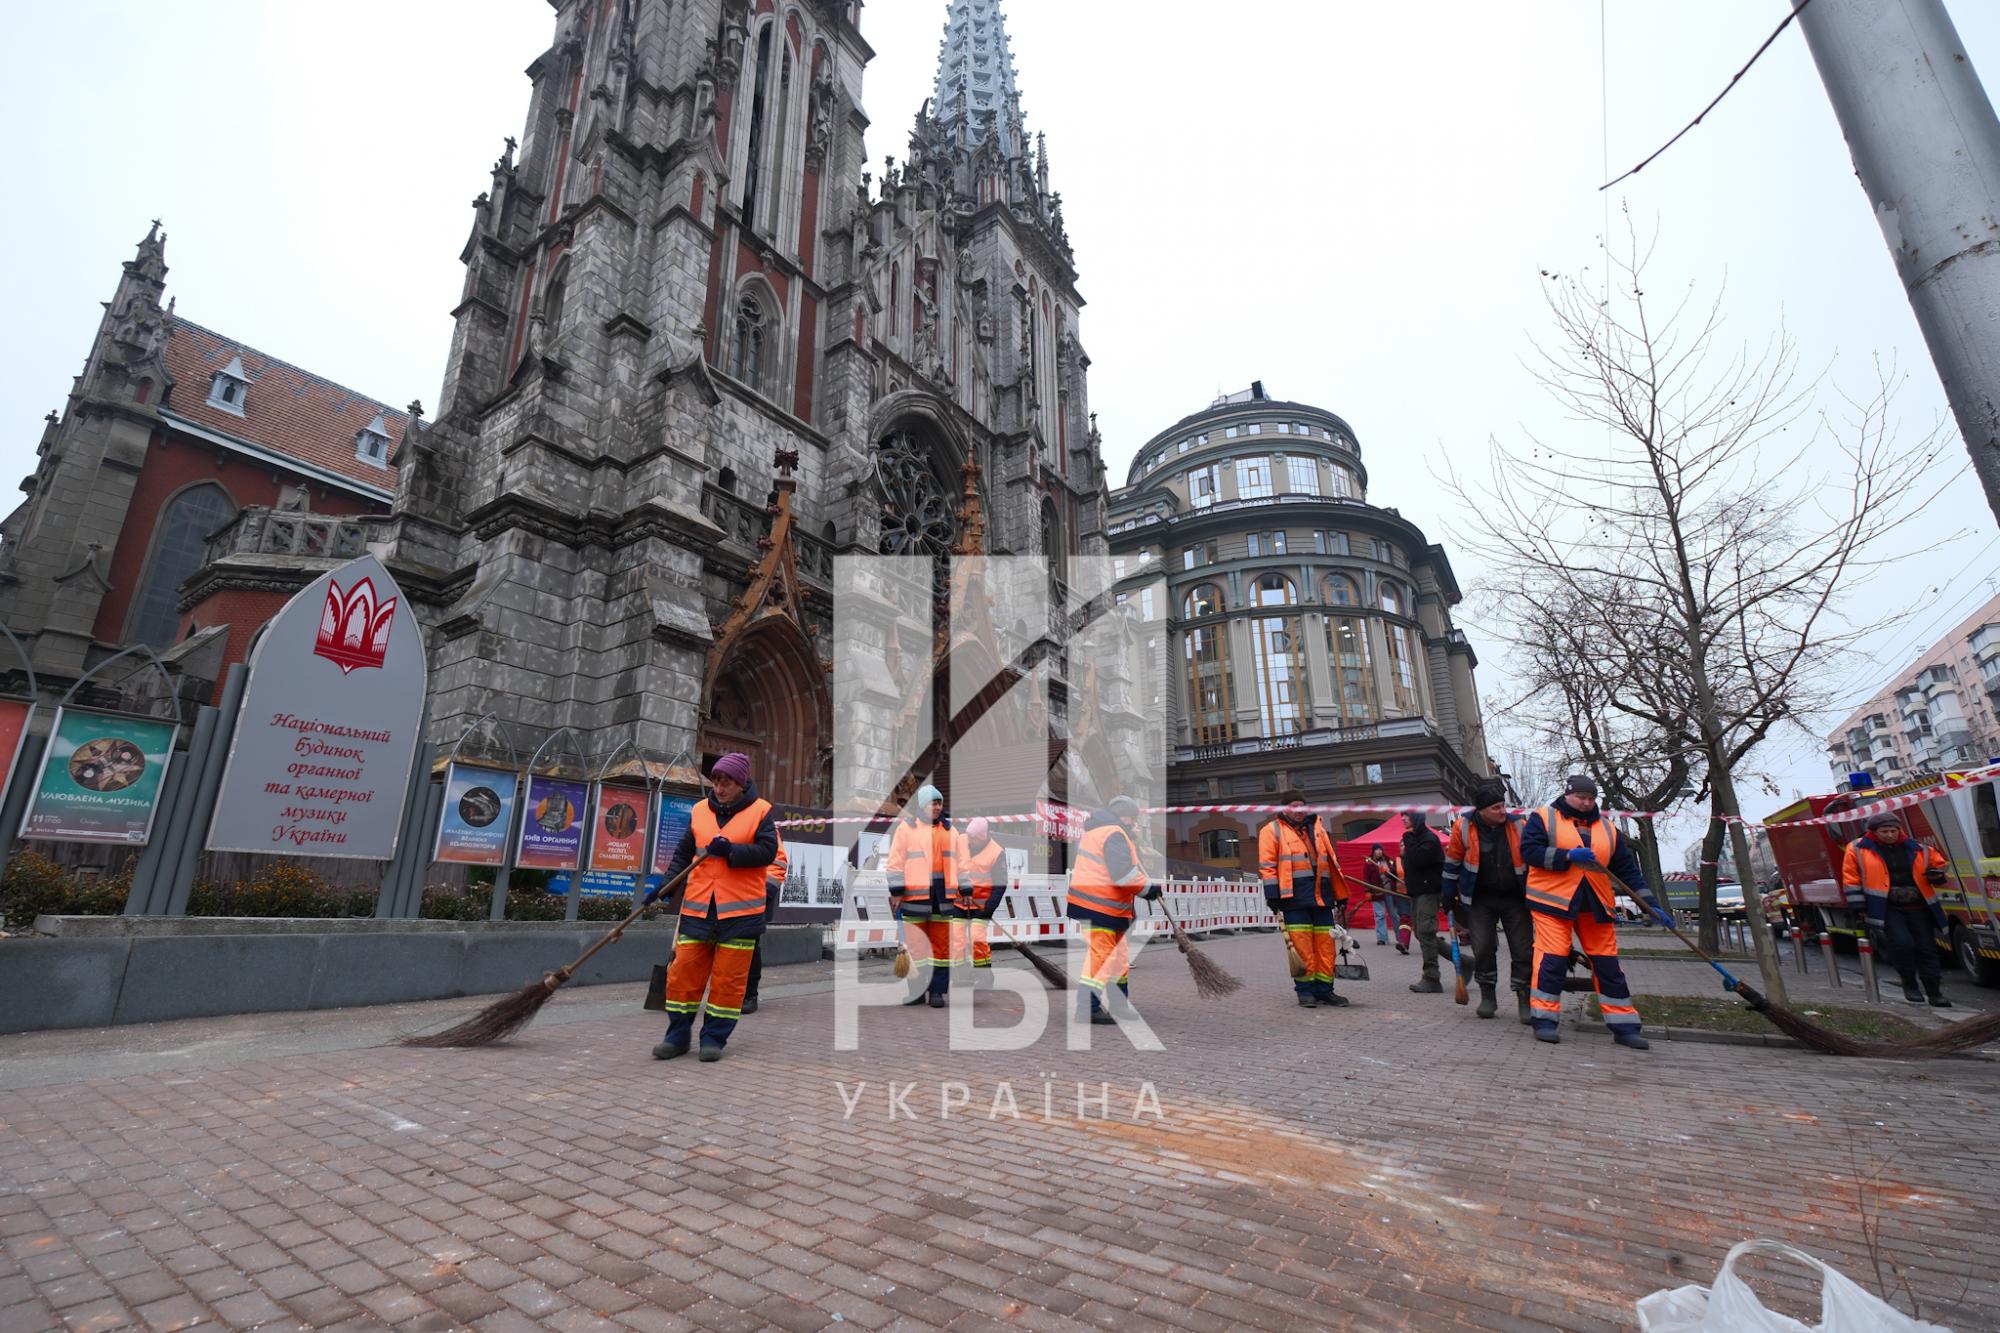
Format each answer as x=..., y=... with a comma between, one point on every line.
x=1423, y=880
x=722, y=910
x=1483, y=868
x=1899, y=879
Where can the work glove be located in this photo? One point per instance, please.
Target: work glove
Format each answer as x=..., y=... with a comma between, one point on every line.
x=1935, y=875
x=1272, y=900
x=1582, y=856
x=1153, y=893
x=719, y=846
x=653, y=894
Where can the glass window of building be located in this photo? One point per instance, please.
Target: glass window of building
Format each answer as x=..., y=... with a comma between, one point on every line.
x=1117, y=566
x=1343, y=483
x=1342, y=591
x=1221, y=844
x=1284, y=428
x=1254, y=543
x=1204, y=485
x=1280, y=668
x=1403, y=672
x=180, y=545
x=1146, y=604
x=1392, y=597
x=1204, y=599
x=1253, y=478
x=1272, y=590
x=1277, y=543
x=1206, y=654
x=1301, y=476
x=1353, y=680
x=1229, y=433
x=1256, y=429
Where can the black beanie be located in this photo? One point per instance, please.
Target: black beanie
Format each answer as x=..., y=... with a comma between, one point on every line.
x=1488, y=793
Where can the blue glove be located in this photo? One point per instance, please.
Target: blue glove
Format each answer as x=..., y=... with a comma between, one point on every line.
x=1153, y=893
x=653, y=894
x=1582, y=856
x=719, y=846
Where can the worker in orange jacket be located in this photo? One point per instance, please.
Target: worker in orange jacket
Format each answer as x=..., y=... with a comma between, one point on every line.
x=923, y=883
x=1103, y=884
x=1899, y=878
x=722, y=910
x=1292, y=855
x=774, y=888
x=1568, y=846
x=981, y=863
x=1483, y=868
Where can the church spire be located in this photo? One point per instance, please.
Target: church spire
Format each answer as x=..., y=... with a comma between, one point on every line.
x=975, y=79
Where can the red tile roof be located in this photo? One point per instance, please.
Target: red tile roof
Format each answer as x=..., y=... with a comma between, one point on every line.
x=286, y=410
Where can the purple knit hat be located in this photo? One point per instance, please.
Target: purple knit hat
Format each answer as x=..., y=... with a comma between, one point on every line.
x=734, y=766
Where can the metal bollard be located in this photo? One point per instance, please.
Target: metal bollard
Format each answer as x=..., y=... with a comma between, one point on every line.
x=1832, y=970
x=1869, y=987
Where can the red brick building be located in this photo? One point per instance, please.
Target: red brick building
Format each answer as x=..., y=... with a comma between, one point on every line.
x=183, y=451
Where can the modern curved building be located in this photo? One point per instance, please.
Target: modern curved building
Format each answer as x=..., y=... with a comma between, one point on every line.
x=1310, y=634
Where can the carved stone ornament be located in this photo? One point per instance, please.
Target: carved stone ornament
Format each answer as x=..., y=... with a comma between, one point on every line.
x=919, y=501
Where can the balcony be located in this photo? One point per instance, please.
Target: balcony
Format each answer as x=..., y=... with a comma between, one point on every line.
x=258, y=530
x=1391, y=729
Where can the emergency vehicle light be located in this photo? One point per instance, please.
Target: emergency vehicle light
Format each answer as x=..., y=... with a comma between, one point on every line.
x=1860, y=780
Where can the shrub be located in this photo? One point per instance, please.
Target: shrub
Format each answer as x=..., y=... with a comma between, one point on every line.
x=280, y=889
x=33, y=885
x=473, y=904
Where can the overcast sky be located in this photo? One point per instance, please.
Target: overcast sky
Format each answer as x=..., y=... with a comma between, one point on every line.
x=1349, y=201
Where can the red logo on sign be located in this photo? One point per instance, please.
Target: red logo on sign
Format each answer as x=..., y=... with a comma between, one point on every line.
x=353, y=630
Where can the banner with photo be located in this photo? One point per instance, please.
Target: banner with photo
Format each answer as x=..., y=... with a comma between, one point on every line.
x=618, y=831
x=673, y=822
x=478, y=813
x=101, y=778
x=552, y=825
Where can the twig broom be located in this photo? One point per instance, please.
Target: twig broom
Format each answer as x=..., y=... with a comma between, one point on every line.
x=503, y=1018
x=1055, y=976
x=1972, y=1033
x=1210, y=981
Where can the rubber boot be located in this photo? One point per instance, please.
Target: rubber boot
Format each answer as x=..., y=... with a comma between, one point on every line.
x=1332, y=999
x=680, y=1035
x=1521, y=1004
x=711, y=1051
x=1625, y=1037
x=1428, y=986
x=1489, y=1001
x=1549, y=1035
x=749, y=1005
x=1936, y=992
x=1308, y=1002
x=1911, y=993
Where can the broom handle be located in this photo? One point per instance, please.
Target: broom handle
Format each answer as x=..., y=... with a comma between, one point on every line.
x=637, y=912
x=1660, y=914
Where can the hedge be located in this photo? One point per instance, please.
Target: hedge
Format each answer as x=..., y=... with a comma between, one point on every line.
x=34, y=885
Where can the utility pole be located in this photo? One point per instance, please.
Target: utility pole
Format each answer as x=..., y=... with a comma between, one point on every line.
x=1927, y=149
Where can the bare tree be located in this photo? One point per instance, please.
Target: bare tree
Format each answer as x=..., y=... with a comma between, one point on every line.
x=1685, y=548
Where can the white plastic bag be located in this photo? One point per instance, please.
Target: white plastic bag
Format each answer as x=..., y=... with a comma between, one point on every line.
x=1731, y=1307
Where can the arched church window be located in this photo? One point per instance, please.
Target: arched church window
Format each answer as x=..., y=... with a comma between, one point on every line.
x=180, y=543
x=552, y=299
x=746, y=350
x=919, y=497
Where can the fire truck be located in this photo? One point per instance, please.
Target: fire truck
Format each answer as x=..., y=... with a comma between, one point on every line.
x=1959, y=818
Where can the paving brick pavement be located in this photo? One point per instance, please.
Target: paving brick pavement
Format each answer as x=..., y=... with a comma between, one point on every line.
x=1395, y=1164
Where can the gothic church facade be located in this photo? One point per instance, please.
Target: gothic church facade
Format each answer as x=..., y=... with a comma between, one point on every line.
x=701, y=349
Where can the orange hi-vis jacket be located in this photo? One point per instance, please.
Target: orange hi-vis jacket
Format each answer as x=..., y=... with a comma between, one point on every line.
x=920, y=871
x=1555, y=890
x=1289, y=860
x=735, y=891
x=1330, y=872
x=982, y=875
x=1461, y=852
x=1090, y=884
x=1862, y=867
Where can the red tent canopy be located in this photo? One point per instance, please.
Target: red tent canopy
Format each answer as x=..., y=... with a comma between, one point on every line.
x=1352, y=853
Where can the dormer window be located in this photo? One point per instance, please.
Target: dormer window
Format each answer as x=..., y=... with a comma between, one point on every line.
x=371, y=445
x=226, y=390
